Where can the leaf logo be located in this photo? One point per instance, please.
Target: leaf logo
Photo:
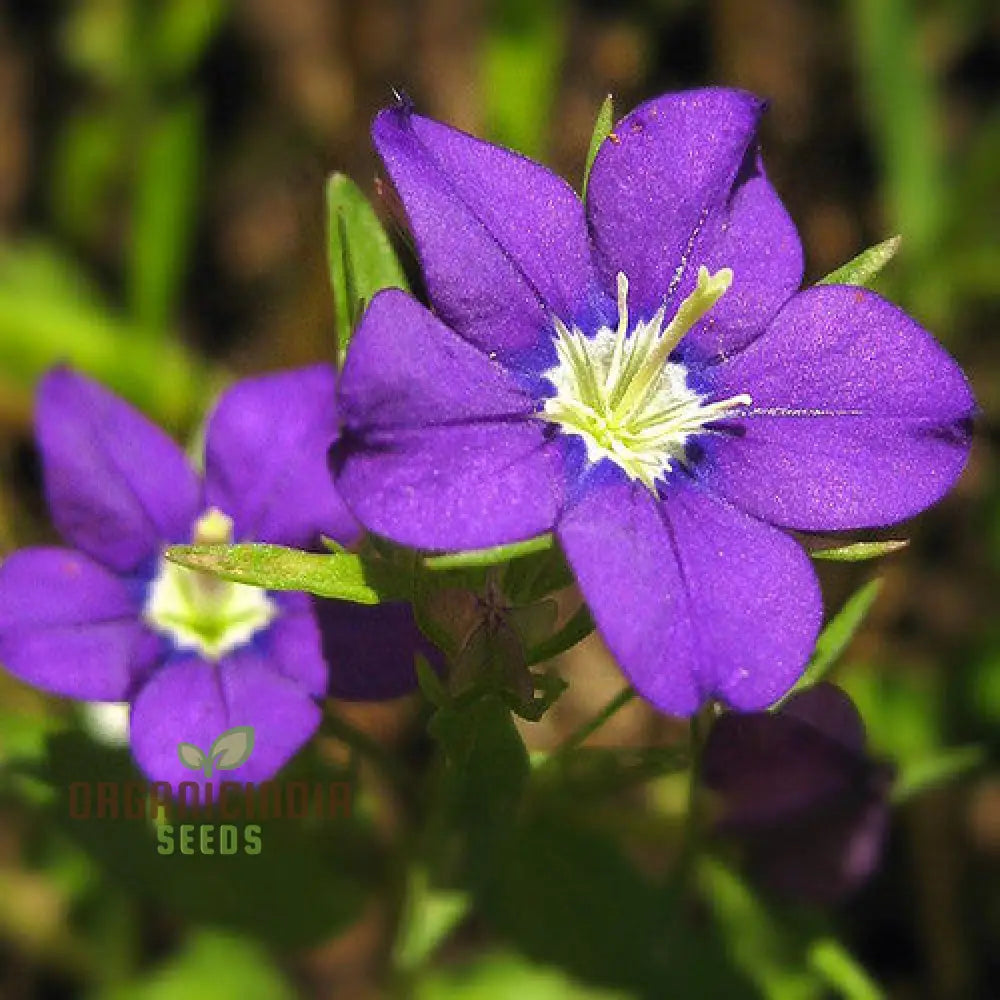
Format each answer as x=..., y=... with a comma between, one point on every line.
x=230, y=749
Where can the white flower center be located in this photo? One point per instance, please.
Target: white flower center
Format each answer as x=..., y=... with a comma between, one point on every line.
x=200, y=612
x=619, y=391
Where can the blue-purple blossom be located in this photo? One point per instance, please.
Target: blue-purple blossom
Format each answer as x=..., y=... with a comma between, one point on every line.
x=798, y=790
x=641, y=374
x=110, y=620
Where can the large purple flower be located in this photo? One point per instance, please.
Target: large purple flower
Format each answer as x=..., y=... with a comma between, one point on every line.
x=111, y=620
x=641, y=374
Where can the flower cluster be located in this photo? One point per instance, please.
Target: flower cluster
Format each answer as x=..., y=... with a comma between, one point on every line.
x=637, y=372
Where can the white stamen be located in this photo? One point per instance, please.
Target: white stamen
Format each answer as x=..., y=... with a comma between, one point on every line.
x=622, y=394
x=203, y=613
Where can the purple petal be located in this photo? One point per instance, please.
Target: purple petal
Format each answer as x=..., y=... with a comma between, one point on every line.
x=192, y=701
x=693, y=598
x=265, y=459
x=69, y=626
x=371, y=649
x=294, y=643
x=117, y=486
x=502, y=241
x=680, y=184
x=439, y=449
x=859, y=417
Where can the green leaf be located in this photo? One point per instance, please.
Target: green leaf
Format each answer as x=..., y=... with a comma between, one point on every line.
x=430, y=684
x=569, y=897
x=360, y=257
x=211, y=966
x=923, y=773
x=833, y=640
x=770, y=953
x=863, y=268
x=602, y=129
x=344, y=576
x=163, y=216
x=534, y=577
x=860, y=551
x=840, y=970
x=500, y=975
x=489, y=557
x=429, y=915
x=485, y=773
x=575, y=630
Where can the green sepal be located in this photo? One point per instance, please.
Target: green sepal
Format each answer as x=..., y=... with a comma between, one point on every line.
x=602, y=129
x=860, y=551
x=861, y=270
x=839, y=631
x=360, y=257
x=924, y=773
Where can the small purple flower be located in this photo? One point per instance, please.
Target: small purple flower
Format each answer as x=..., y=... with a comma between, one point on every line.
x=641, y=374
x=799, y=791
x=110, y=620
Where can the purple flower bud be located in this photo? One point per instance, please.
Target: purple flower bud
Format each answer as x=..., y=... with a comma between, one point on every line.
x=798, y=791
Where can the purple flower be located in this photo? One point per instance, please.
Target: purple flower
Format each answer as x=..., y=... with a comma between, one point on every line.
x=641, y=374
x=110, y=620
x=799, y=791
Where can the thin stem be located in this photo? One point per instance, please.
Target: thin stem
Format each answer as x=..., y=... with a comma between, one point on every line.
x=591, y=726
x=691, y=843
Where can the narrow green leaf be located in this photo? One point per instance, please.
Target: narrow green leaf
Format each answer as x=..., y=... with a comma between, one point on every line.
x=430, y=684
x=602, y=129
x=938, y=769
x=360, y=257
x=163, y=216
x=860, y=551
x=863, y=268
x=840, y=970
x=429, y=916
x=489, y=557
x=575, y=630
x=767, y=949
x=342, y=575
x=833, y=640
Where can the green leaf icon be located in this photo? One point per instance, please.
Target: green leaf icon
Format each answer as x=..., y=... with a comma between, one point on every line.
x=231, y=749
x=191, y=757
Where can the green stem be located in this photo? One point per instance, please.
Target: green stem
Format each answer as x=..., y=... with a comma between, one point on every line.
x=584, y=732
x=691, y=843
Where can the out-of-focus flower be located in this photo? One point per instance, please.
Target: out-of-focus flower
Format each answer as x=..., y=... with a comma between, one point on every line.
x=641, y=374
x=110, y=620
x=799, y=791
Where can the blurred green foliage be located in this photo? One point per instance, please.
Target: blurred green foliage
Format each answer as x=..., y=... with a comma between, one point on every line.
x=536, y=877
